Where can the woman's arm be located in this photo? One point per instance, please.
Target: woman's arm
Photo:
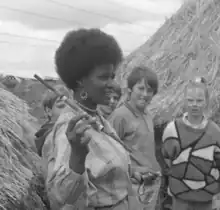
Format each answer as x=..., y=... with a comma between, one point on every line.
x=66, y=179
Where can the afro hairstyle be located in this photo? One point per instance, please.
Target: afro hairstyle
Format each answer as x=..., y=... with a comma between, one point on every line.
x=83, y=50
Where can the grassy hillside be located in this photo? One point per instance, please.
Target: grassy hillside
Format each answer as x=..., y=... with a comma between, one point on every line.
x=32, y=92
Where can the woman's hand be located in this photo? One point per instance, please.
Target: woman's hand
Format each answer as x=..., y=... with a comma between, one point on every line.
x=143, y=175
x=79, y=138
x=77, y=135
x=137, y=173
x=136, y=177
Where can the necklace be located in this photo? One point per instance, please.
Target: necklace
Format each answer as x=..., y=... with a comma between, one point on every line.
x=94, y=111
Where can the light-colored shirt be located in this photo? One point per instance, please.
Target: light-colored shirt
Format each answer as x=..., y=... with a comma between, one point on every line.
x=106, y=180
x=137, y=131
x=65, y=188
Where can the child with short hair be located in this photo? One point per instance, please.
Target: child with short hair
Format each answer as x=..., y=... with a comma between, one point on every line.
x=115, y=95
x=134, y=125
x=191, y=147
x=53, y=106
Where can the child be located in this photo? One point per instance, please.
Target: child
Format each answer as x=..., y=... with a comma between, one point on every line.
x=134, y=124
x=114, y=98
x=53, y=106
x=191, y=147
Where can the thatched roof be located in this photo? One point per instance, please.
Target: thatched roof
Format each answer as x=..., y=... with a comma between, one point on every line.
x=186, y=45
x=20, y=167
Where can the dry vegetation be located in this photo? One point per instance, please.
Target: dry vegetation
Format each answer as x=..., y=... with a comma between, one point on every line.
x=20, y=167
x=187, y=44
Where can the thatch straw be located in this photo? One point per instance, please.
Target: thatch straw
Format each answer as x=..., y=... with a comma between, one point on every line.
x=185, y=46
x=20, y=167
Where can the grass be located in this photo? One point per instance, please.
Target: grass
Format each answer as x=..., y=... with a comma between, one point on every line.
x=22, y=185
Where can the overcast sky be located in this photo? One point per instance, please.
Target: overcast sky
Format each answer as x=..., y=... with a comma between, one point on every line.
x=47, y=21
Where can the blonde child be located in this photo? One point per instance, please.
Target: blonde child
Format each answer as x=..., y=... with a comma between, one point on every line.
x=191, y=147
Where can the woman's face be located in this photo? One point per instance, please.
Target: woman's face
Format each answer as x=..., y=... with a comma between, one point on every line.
x=98, y=85
x=141, y=95
x=195, y=101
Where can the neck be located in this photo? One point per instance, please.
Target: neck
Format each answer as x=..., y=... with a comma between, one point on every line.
x=86, y=103
x=195, y=120
x=133, y=105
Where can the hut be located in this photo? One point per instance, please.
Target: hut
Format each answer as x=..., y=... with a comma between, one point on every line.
x=22, y=185
x=187, y=44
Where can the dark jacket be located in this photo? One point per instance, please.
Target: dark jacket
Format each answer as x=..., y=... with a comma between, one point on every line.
x=41, y=136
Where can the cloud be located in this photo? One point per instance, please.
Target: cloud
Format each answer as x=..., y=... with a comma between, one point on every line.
x=70, y=13
x=131, y=37
x=22, y=56
x=159, y=7
x=18, y=28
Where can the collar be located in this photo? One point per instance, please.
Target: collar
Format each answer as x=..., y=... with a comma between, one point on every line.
x=202, y=125
x=133, y=111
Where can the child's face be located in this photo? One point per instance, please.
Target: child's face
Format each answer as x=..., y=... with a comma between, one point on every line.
x=195, y=101
x=114, y=98
x=141, y=94
x=57, y=108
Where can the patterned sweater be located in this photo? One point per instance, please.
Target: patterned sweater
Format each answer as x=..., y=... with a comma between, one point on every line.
x=194, y=159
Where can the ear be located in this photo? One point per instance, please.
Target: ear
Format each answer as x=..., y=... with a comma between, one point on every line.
x=82, y=84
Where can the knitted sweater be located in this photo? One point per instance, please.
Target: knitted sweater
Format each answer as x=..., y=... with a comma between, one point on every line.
x=194, y=158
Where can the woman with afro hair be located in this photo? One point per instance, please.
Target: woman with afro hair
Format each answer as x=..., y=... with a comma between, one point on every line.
x=88, y=168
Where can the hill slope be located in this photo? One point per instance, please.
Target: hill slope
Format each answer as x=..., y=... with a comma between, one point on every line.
x=187, y=44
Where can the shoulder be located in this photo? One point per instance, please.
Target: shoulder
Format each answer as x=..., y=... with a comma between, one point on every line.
x=62, y=122
x=170, y=131
x=214, y=126
x=121, y=112
x=65, y=117
x=58, y=140
x=149, y=116
x=213, y=130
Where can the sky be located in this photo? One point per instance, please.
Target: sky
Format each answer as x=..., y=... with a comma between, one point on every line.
x=31, y=30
